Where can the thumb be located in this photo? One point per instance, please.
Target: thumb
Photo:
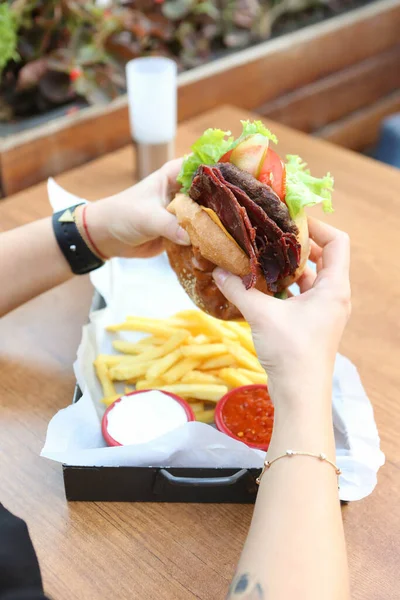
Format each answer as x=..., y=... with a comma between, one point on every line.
x=251, y=303
x=165, y=224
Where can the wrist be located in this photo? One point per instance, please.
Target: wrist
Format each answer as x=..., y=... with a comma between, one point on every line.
x=94, y=221
x=304, y=429
x=298, y=390
x=303, y=413
x=295, y=382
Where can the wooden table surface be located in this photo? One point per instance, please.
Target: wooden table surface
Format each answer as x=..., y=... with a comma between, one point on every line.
x=176, y=551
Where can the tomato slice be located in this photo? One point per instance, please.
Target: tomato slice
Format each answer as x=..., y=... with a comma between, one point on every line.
x=226, y=157
x=273, y=173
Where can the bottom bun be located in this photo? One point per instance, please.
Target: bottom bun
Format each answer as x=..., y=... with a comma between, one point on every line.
x=199, y=284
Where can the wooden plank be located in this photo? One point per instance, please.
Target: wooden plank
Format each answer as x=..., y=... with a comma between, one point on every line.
x=57, y=146
x=361, y=129
x=317, y=104
x=257, y=75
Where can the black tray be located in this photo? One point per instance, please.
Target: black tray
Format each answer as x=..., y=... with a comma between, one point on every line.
x=157, y=483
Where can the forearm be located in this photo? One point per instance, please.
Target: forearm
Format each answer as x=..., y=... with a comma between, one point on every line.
x=295, y=547
x=31, y=263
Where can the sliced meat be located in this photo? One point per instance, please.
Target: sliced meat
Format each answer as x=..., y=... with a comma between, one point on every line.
x=261, y=194
x=293, y=252
x=274, y=249
x=269, y=235
x=208, y=190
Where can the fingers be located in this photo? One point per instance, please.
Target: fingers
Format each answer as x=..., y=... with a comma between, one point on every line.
x=170, y=172
x=315, y=252
x=152, y=195
x=249, y=302
x=306, y=279
x=335, y=245
x=320, y=232
x=165, y=225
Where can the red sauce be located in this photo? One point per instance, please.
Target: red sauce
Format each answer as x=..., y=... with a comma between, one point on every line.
x=249, y=414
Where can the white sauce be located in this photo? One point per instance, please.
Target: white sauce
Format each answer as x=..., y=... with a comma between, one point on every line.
x=143, y=417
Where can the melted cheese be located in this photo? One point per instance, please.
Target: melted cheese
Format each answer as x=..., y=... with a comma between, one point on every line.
x=213, y=215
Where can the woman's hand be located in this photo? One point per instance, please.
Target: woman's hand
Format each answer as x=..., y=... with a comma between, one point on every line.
x=297, y=525
x=133, y=223
x=291, y=336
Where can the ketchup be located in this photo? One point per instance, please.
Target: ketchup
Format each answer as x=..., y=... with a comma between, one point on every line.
x=249, y=415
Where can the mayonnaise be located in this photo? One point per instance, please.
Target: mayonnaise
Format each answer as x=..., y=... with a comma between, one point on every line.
x=139, y=418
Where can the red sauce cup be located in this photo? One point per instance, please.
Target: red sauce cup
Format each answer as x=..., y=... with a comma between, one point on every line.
x=221, y=407
x=104, y=422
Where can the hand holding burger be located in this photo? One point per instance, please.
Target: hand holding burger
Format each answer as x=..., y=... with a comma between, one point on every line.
x=243, y=209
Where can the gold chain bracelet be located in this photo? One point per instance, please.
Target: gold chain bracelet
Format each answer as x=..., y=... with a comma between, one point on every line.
x=289, y=453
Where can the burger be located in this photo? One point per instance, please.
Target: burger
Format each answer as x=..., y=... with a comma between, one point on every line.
x=244, y=210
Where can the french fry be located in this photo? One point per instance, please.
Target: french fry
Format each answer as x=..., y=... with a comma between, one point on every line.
x=180, y=369
x=261, y=378
x=205, y=416
x=109, y=359
x=203, y=391
x=107, y=400
x=244, y=336
x=137, y=347
x=127, y=359
x=196, y=406
x=233, y=378
x=104, y=377
x=152, y=340
x=178, y=320
x=174, y=342
x=134, y=380
x=126, y=371
x=244, y=358
x=200, y=339
x=163, y=364
x=149, y=326
x=128, y=389
x=206, y=324
x=215, y=327
x=203, y=350
x=199, y=377
x=151, y=353
x=143, y=384
x=218, y=362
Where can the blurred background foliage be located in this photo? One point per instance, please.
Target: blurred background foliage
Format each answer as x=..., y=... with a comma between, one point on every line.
x=55, y=51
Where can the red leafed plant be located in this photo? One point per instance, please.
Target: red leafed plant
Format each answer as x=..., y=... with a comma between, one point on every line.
x=55, y=51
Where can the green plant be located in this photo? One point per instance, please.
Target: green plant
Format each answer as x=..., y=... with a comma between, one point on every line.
x=54, y=51
x=8, y=36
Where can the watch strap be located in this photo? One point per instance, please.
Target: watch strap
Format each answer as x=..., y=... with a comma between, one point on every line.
x=77, y=253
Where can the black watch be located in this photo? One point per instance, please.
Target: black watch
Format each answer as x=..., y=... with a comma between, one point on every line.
x=76, y=251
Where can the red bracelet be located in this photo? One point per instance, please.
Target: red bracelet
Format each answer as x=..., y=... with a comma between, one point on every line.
x=89, y=237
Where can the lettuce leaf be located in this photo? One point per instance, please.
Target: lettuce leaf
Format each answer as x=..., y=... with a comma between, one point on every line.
x=207, y=150
x=302, y=189
x=252, y=127
x=213, y=144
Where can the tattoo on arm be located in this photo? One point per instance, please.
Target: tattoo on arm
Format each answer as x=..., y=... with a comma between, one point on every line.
x=245, y=587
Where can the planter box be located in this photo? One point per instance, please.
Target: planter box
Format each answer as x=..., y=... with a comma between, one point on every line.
x=336, y=79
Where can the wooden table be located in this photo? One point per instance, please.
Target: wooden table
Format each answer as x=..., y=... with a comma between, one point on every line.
x=178, y=552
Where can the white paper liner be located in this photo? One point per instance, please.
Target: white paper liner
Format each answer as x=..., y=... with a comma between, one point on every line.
x=149, y=288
